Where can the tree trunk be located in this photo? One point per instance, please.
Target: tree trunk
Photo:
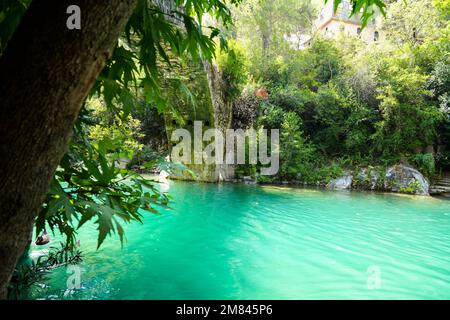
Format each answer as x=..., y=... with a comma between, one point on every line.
x=46, y=73
x=223, y=114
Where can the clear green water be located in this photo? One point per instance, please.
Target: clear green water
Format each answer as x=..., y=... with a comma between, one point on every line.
x=245, y=242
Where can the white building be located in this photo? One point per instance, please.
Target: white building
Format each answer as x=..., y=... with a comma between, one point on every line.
x=331, y=24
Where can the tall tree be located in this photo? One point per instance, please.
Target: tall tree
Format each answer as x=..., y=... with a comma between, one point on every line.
x=47, y=71
x=409, y=22
x=264, y=24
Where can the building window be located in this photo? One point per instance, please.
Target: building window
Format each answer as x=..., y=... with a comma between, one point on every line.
x=358, y=31
x=376, y=36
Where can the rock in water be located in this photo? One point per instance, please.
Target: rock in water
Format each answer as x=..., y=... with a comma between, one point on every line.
x=400, y=178
x=341, y=183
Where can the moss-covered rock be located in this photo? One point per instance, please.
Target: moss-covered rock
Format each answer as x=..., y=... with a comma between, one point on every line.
x=403, y=179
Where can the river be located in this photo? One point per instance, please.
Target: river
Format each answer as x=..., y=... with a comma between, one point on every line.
x=264, y=242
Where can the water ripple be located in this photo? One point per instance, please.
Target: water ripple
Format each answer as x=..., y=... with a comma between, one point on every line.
x=244, y=242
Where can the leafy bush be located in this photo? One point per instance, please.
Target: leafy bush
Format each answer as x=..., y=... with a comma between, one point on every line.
x=411, y=188
x=146, y=158
x=270, y=116
x=233, y=67
x=425, y=163
x=108, y=125
x=297, y=156
x=245, y=110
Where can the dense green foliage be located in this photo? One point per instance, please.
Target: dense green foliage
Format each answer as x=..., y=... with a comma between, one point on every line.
x=342, y=103
x=233, y=67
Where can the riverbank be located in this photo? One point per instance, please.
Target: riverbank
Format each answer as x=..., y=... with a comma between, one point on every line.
x=396, y=179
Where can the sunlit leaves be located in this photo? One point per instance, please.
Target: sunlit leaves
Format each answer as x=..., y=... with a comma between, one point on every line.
x=365, y=7
x=153, y=34
x=89, y=188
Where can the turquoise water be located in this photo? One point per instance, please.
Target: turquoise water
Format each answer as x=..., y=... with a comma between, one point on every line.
x=250, y=242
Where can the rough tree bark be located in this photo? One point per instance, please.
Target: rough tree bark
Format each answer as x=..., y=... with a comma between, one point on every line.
x=46, y=73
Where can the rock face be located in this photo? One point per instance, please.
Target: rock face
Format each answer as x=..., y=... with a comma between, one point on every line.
x=441, y=186
x=341, y=183
x=400, y=178
x=213, y=111
x=367, y=179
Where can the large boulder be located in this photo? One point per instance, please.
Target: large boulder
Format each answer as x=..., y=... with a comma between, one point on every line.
x=341, y=183
x=400, y=178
